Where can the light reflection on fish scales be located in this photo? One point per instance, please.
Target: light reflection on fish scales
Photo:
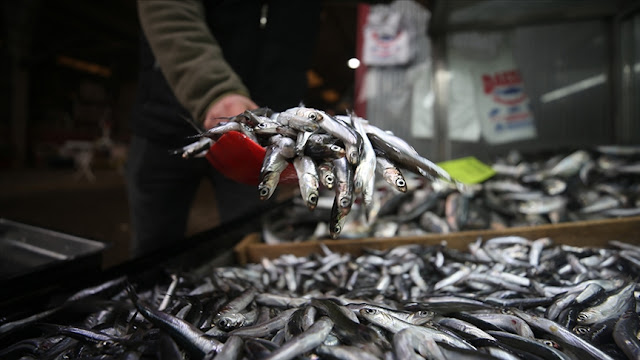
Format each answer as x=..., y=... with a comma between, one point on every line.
x=345, y=143
x=593, y=184
x=409, y=301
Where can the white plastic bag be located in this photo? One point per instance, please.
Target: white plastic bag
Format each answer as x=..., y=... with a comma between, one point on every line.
x=386, y=38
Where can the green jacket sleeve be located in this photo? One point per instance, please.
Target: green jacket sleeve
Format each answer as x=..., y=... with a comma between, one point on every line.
x=189, y=56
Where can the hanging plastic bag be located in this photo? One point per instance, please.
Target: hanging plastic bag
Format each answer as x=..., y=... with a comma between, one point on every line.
x=387, y=38
x=502, y=103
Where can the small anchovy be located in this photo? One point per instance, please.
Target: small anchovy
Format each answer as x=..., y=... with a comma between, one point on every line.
x=613, y=306
x=286, y=146
x=80, y=334
x=619, y=150
x=529, y=345
x=195, y=149
x=337, y=219
x=283, y=301
x=543, y=205
x=621, y=212
x=391, y=174
x=224, y=127
x=263, y=329
x=185, y=333
x=343, y=131
x=394, y=325
x=407, y=341
x=554, y=310
x=400, y=151
x=273, y=165
x=570, y=165
x=419, y=317
x=255, y=117
x=507, y=322
x=554, y=186
x=231, y=349
x=625, y=334
x=589, y=293
x=229, y=316
x=433, y=223
x=464, y=327
x=344, y=352
x=306, y=341
x=295, y=121
x=322, y=146
x=456, y=210
x=344, y=184
x=509, y=186
x=271, y=128
x=302, y=139
x=325, y=173
x=605, y=202
x=552, y=328
x=364, y=175
x=307, y=180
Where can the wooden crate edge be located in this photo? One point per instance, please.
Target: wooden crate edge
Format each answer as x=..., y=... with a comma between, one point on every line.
x=586, y=233
x=241, y=248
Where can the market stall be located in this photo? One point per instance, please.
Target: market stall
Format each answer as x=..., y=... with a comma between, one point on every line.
x=537, y=259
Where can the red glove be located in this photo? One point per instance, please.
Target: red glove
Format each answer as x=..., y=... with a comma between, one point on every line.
x=240, y=159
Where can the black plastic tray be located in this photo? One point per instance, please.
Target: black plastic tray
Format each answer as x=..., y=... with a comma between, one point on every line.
x=32, y=257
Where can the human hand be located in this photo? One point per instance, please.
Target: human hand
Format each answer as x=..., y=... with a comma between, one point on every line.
x=227, y=106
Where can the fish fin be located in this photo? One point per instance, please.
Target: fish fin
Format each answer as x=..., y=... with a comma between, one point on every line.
x=192, y=123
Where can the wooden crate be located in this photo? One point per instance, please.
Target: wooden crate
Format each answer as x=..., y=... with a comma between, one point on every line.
x=580, y=233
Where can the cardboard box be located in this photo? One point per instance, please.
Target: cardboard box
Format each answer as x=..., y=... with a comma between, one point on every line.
x=580, y=233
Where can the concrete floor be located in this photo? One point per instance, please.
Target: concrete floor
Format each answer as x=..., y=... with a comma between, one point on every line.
x=61, y=200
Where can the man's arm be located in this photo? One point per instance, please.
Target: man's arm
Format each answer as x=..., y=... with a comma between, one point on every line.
x=191, y=59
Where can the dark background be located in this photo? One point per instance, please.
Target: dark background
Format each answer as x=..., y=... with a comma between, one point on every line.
x=69, y=71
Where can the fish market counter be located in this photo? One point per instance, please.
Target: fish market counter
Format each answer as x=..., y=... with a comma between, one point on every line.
x=565, y=291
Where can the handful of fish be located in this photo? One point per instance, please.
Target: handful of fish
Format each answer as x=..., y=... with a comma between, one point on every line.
x=342, y=153
x=505, y=298
x=598, y=183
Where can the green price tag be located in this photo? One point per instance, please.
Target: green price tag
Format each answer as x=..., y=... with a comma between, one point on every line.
x=468, y=170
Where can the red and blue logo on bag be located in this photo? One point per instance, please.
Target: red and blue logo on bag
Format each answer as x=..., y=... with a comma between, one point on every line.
x=510, y=107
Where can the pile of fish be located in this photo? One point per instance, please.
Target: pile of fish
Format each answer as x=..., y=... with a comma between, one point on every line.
x=599, y=183
x=505, y=298
x=343, y=153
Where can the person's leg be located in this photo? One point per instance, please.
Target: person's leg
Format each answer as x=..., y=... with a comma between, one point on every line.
x=160, y=188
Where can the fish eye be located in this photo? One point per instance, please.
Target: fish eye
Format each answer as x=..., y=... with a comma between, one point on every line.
x=264, y=191
x=337, y=229
x=335, y=148
x=312, y=116
x=313, y=198
x=581, y=330
x=370, y=311
x=551, y=343
x=424, y=313
x=329, y=179
x=262, y=125
x=582, y=317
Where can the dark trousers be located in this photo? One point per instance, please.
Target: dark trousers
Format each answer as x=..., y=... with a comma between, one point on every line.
x=161, y=188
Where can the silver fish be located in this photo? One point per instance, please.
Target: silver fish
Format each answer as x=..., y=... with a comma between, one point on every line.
x=364, y=175
x=307, y=180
